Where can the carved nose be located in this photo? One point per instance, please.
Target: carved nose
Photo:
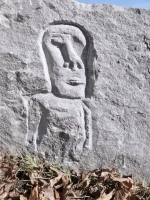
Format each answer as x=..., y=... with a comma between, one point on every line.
x=75, y=65
x=74, y=60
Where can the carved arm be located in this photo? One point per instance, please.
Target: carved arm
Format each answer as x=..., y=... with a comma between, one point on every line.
x=88, y=127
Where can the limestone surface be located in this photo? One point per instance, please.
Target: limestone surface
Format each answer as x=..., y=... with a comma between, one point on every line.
x=75, y=84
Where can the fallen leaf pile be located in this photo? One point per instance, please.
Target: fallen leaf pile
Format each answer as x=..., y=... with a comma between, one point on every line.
x=21, y=178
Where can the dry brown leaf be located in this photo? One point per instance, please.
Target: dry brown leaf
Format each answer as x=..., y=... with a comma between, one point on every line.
x=14, y=193
x=57, y=194
x=121, y=195
x=106, y=196
x=55, y=180
x=23, y=198
x=5, y=172
x=127, y=182
x=41, y=198
x=33, y=179
x=136, y=188
x=71, y=196
x=48, y=193
x=4, y=195
x=105, y=172
x=59, y=186
x=83, y=183
x=34, y=193
x=90, y=198
x=93, y=175
x=65, y=190
x=2, y=188
x=8, y=186
x=56, y=170
x=95, y=192
x=135, y=197
x=66, y=179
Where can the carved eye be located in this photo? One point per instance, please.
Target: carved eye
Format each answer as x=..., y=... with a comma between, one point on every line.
x=77, y=40
x=79, y=66
x=66, y=64
x=57, y=41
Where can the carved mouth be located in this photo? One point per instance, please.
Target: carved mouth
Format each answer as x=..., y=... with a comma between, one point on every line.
x=75, y=82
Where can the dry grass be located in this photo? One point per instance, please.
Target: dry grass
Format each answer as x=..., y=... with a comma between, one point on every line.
x=24, y=178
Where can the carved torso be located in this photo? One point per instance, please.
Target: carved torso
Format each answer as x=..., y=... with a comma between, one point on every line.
x=61, y=130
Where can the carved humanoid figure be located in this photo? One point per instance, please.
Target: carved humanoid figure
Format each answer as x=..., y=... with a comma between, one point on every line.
x=59, y=122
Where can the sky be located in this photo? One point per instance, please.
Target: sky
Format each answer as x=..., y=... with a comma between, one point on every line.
x=126, y=3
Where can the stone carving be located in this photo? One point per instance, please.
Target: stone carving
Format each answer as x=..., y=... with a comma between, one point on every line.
x=116, y=58
x=59, y=122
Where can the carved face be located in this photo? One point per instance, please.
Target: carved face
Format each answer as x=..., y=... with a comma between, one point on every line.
x=64, y=47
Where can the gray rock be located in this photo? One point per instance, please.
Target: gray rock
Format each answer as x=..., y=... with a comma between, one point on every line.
x=75, y=84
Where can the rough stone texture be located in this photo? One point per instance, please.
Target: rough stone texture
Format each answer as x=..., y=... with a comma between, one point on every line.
x=108, y=125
